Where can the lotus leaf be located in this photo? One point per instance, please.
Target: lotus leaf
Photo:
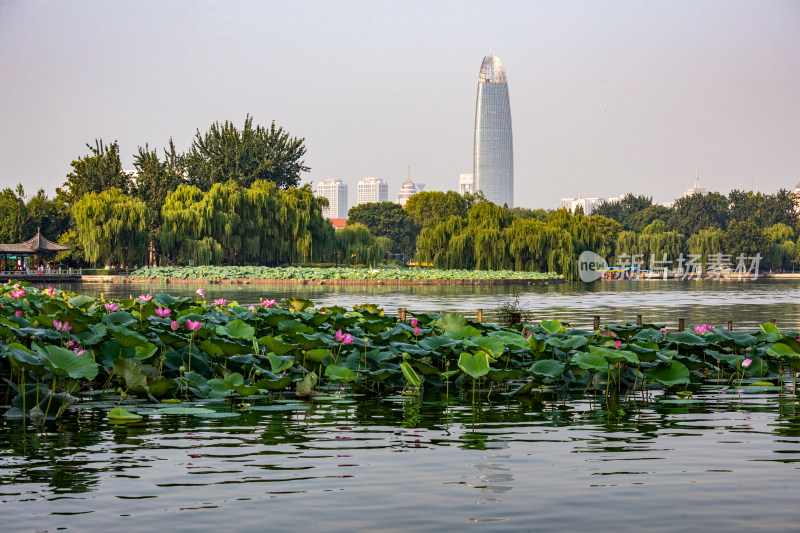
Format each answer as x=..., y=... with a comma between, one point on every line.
x=674, y=374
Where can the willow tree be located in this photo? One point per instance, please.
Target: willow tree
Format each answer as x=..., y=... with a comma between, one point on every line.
x=356, y=244
x=112, y=226
x=705, y=243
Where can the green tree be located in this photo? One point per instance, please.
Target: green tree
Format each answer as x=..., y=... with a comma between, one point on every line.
x=255, y=153
x=387, y=219
x=356, y=245
x=51, y=217
x=155, y=180
x=13, y=215
x=609, y=229
x=697, y=212
x=624, y=209
x=746, y=238
x=96, y=172
x=112, y=226
x=706, y=243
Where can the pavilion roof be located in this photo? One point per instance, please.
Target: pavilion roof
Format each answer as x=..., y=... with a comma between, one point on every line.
x=34, y=245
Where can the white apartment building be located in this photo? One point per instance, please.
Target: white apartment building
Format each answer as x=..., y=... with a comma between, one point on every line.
x=372, y=190
x=335, y=191
x=587, y=204
x=466, y=184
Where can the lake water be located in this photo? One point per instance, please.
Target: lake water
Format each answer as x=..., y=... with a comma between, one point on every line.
x=747, y=304
x=543, y=464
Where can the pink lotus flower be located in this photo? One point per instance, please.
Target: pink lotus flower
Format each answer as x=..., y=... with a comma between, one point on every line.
x=163, y=312
x=174, y=325
x=17, y=293
x=62, y=326
x=193, y=326
x=414, y=321
x=617, y=344
x=417, y=331
x=663, y=330
x=145, y=298
x=700, y=330
x=220, y=301
x=746, y=363
x=111, y=306
x=49, y=291
x=80, y=352
x=252, y=308
x=741, y=391
x=268, y=303
x=17, y=313
x=72, y=345
x=345, y=338
x=201, y=293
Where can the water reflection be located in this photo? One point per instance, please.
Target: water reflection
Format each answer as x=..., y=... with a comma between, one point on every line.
x=430, y=463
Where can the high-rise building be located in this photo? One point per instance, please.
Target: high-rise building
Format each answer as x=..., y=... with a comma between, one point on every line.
x=466, y=184
x=493, y=158
x=372, y=190
x=406, y=191
x=697, y=189
x=336, y=193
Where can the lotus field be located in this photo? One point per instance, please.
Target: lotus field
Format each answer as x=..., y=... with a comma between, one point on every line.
x=214, y=273
x=59, y=346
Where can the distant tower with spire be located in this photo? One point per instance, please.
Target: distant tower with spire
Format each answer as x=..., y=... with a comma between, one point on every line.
x=696, y=189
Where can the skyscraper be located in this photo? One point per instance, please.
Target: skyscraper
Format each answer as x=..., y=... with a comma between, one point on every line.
x=336, y=193
x=493, y=158
x=372, y=190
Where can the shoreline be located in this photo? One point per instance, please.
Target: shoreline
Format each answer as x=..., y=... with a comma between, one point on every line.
x=330, y=281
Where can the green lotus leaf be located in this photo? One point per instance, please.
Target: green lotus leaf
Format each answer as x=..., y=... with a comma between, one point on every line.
x=674, y=374
x=274, y=384
x=279, y=364
x=277, y=346
x=131, y=373
x=339, y=373
x=237, y=329
x=318, y=355
x=553, y=326
x=451, y=322
x=547, y=368
x=65, y=362
x=474, y=365
x=121, y=415
x=185, y=411
x=408, y=373
x=590, y=361
x=614, y=356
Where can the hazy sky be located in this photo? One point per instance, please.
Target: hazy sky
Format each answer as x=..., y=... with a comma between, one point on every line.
x=606, y=97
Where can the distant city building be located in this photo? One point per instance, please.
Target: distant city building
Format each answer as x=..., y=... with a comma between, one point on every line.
x=372, y=190
x=406, y=191
x=587, y=204
x=493, y=156
x=466, y=184
x=696, y=189
x=336, y=192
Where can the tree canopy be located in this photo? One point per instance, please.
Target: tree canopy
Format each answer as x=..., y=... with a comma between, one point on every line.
x=387, y=219
x=253, y=154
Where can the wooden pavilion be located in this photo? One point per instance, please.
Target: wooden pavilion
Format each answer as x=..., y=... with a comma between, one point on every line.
x=33, y=247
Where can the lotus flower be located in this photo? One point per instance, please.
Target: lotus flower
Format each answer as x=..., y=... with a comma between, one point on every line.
x=617, y=344
x=62, y=326
x=17, y=313
x=145, y=298
x=174, y=325
x=746, y=363
x=201, y=293
x=700, y=330
x=268, y=303
x=252, y=308
x=663, y=330
x=417, y=331
x=220, y=301
x=17, y=293
x=345, y=338
x=414, y=321
x=80, y=352
x=193, y=326
x=72, y=345
x=49, y=291
x=111, y=306
x=163, y=312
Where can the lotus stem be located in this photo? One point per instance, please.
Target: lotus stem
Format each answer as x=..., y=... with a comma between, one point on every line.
x=52, y=392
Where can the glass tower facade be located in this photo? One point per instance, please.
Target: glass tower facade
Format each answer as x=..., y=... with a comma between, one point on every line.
x=493, y=157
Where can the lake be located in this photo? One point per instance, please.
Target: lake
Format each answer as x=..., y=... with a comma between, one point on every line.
x=747, y=303
x=723, y=463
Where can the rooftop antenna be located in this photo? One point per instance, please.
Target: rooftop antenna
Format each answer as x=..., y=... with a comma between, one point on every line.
x=696, y=178
x=409, y=172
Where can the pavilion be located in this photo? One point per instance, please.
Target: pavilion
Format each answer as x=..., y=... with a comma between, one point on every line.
x=33, y=247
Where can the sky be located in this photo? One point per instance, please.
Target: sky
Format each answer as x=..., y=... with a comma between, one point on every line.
x=607, y=97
